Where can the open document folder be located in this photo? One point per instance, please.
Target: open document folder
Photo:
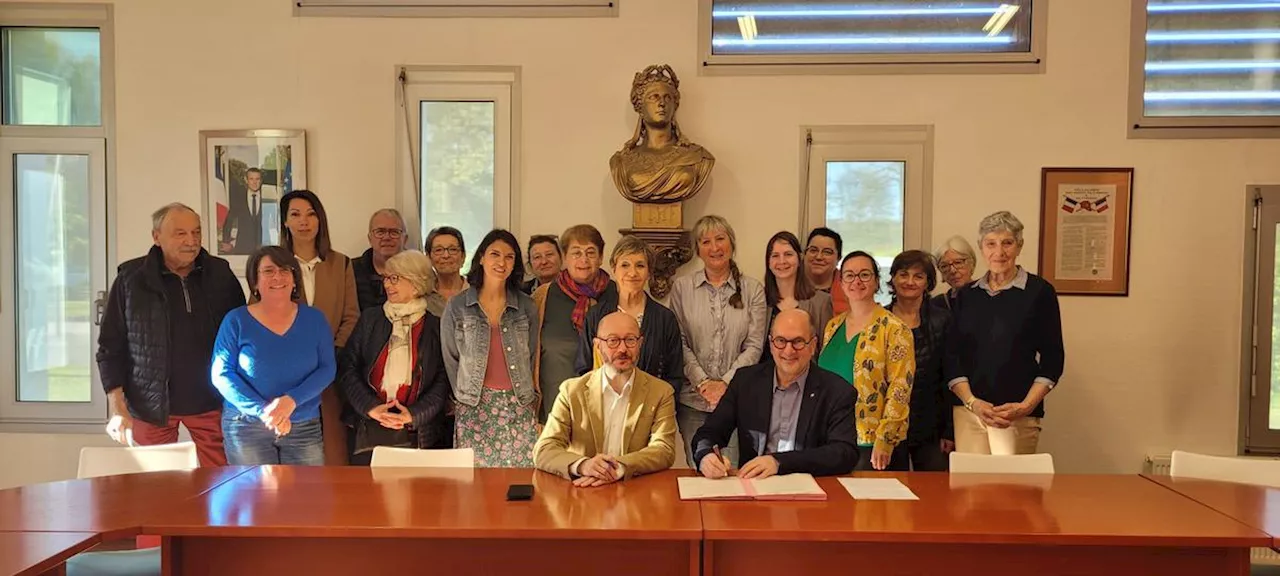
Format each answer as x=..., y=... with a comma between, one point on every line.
x=786, y=487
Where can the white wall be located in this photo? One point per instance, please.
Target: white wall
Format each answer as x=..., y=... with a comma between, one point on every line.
x=1144, y=373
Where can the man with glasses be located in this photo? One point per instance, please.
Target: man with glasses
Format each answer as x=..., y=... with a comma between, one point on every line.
x=591, y=434
x=386, y=239
x=821, y=254
x=791, y=416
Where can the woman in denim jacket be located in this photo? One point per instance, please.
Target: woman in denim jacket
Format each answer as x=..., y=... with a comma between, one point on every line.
x=489, y=333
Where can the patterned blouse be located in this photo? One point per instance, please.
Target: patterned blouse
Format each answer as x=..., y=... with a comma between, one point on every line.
x=884, y=368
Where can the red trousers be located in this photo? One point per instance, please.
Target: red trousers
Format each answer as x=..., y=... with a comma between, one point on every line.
x=205, y=430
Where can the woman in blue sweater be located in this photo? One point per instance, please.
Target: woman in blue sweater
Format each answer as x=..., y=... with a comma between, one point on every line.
x=271, y=361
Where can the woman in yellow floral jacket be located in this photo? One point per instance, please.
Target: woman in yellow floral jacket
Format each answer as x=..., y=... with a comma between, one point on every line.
x=869, y=347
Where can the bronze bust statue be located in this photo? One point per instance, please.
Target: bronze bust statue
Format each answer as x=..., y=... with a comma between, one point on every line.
x=659, y=165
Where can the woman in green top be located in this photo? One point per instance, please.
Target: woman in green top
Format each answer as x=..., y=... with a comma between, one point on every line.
x=873, y=350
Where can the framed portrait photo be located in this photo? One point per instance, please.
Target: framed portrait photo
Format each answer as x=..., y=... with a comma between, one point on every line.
x=243, y=175
x=1086, y=215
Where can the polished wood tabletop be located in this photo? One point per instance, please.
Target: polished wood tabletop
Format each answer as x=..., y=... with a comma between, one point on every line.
x=287, y=501
x=1251, y=504
x=113, y=506
x=32, y=553
x=990, y=509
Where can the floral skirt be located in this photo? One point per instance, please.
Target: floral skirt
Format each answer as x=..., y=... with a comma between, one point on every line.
x=500, y=430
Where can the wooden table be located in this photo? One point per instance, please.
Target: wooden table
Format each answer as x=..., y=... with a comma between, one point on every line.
x=981, y=524
x=112, y=506
x=301, y=520
x=1250, y=504
x=40, y=553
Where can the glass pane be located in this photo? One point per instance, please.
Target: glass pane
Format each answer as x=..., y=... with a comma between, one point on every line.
x=865, y=206
x=869, y=27
x=457, y=169
x=1274, y=420
x=53, y=282
x=52, y=77
x=1212, y=58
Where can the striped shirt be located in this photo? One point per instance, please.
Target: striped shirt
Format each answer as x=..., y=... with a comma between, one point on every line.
x=717, y=338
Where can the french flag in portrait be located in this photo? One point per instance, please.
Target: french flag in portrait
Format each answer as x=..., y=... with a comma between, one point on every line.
x=1069, y=204
x=1101, y=205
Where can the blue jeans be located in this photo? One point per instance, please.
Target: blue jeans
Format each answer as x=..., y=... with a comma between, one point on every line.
x=249, y=442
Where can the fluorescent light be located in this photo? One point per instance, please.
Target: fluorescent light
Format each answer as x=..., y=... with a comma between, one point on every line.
x=1224, y=7
x=1220, y=66
x=853, y=12
x=1223, y=36
x=747, y=26
x=864, y=40
x=1226, y=96
x=1000, y=19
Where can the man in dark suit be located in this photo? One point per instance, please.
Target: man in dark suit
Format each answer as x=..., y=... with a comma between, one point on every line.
x=791, y=415
x=244, y=216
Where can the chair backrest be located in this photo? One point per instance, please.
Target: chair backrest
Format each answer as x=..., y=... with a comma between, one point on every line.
x=1261, y=471
x=95, y=462
x=962, y=463
x=387, y=457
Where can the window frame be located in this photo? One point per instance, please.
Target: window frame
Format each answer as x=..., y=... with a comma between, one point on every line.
x=50, y=417
x=457, y=8
x=900, y=63
x=912, y=145
x=498, y=84
x=1141, y=126
x=1262, y=215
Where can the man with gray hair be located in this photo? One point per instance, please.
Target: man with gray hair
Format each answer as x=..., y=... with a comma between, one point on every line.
x=387, y=235
x=156, y=341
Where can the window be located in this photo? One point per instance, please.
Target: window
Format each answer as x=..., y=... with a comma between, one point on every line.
x=1202, y=68
x=871, y=36
x=458, y=150
x=1261, y=331
x=456, y=8
x=54, y=138
x=871, y=184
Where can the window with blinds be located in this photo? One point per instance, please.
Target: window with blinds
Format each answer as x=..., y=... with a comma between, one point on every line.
x=871, y=33
x=1206, y=64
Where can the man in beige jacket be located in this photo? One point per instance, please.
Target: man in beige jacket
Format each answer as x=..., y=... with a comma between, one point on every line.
x=612, y=423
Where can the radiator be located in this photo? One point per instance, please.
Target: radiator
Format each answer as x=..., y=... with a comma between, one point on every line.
x=1158, y=465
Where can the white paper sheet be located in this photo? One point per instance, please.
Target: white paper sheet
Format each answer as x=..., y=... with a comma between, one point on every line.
x=877, y=489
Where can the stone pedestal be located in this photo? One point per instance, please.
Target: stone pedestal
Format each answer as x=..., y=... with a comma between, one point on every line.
x=671, y=251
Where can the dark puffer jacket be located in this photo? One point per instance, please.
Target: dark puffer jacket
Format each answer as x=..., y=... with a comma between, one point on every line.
x=372, y=333
x=133, y=345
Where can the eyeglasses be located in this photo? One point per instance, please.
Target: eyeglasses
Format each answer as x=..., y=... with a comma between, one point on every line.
x=952, y=265
x=814, y=251
x=392, y=233
x=579, y=254
x=614, y=341
x=865, y=276
x=274, y=272
x=442, y=250
x=796, y=343
x=391, y=279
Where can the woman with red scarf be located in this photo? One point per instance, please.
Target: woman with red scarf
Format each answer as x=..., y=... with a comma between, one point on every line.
x=562, y=310
x=392, y=370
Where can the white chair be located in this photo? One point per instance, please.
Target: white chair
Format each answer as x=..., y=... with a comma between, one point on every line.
x=962, y=463
x=95, y=462
x=388, y=457
x=1261, y=471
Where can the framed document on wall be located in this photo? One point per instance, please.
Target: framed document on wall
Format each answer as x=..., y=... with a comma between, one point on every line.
x=1085, y=219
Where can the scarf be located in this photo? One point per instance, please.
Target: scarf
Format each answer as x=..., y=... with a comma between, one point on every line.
x=583, y=294
x=399, y=367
